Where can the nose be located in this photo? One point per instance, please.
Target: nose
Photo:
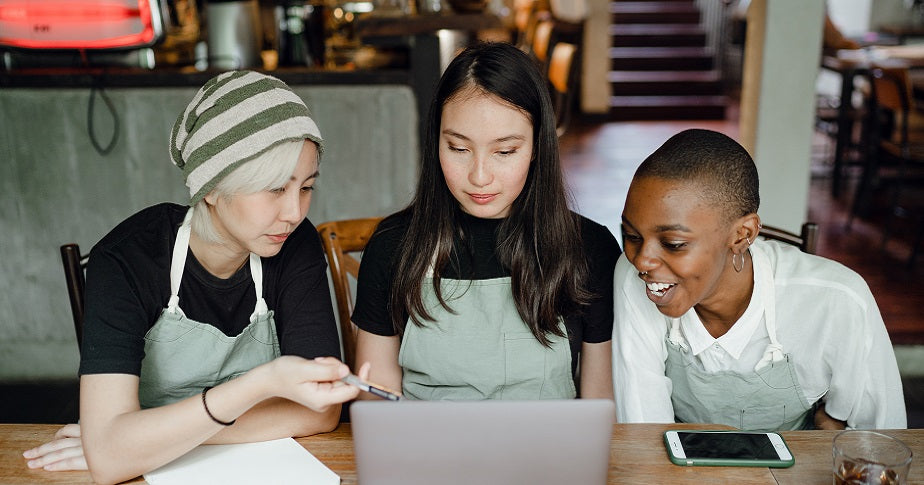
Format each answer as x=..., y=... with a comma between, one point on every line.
x=480, y=174
x=291, y=210
x=645, y=259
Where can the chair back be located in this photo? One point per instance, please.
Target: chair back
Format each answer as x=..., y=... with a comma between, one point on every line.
x=889, y=107
x=524, y=21
x=806, y=240
x=542, y=40
x=74, y=266
x=340, y=239
x=892, y=87
x=562, y=76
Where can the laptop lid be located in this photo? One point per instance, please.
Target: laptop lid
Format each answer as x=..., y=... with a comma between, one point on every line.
x=486, y=442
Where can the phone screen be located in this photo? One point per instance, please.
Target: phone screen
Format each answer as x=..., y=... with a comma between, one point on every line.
x=728, y=445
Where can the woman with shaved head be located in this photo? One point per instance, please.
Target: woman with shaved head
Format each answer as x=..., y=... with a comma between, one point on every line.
x=715, y=325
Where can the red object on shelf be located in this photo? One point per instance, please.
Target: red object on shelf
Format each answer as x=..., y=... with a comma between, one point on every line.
x=80, y=24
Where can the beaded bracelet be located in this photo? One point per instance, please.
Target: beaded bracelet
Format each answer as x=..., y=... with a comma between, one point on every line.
x=206, y=406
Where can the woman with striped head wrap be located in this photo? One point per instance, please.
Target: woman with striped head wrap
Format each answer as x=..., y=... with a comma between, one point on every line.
x=211, y=323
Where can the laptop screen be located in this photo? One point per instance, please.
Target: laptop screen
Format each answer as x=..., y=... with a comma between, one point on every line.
x=485, y=442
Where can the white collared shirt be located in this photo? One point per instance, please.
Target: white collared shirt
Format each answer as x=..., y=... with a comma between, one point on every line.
x=724, y=353
x=826, y=318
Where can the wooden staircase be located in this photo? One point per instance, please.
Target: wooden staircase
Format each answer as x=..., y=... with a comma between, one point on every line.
x=661, y=67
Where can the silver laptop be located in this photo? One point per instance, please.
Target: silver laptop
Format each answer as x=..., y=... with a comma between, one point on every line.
x=484, y=442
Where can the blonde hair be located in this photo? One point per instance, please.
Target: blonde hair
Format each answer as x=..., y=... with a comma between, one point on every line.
x=269, y=170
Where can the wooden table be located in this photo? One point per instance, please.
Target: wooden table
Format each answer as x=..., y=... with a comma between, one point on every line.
x=812, y=450
x=850, y=64
x=636, y=456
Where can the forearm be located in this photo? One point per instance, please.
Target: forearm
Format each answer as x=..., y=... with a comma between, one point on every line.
x=122, y=444
x=382, y=353
x=277, y=418
x=596, y=371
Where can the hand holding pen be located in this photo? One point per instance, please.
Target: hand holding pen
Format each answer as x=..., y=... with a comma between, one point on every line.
x=374, y=389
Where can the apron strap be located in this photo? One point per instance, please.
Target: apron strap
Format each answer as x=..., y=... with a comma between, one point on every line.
x=764, y=271
x=674, y=335
x=256, y=272
x=178, y=261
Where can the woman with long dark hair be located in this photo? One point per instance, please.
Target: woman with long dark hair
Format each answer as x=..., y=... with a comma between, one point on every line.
x=487, y=286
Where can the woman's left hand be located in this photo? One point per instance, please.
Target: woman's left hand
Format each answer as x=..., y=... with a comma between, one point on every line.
x=315, y=383
x=823, y=420
x=65, y=452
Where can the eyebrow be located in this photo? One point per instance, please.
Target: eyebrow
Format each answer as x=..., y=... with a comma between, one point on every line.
x=496, y=140
x=661, y=228
x=315, y=175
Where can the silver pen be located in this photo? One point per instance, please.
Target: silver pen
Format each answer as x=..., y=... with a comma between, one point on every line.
x=374, y=389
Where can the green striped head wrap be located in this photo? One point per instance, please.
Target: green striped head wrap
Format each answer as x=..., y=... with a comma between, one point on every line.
x=235, y=117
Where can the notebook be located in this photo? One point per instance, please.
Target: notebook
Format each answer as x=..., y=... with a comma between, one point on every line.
x=485, y=442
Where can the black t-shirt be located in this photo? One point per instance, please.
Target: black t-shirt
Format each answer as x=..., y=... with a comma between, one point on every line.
x=128, y=285
x=594, y=324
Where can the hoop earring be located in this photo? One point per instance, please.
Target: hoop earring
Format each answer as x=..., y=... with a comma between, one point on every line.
x=738, y=267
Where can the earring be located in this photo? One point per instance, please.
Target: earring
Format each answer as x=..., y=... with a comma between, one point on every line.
x=738, y=266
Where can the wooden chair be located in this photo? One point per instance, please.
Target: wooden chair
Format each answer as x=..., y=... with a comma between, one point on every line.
x=894, y=135
x=74, y=266
x=806, y=240
x=525, y=17
x=542, y=42
x=562, y=75
x=340, y=238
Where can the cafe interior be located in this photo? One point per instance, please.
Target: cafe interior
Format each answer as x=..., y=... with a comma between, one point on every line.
x=89, y=91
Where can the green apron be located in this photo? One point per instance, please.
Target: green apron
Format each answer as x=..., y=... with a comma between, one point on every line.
x=183, y=356
x=482, y=349
x=767, y=399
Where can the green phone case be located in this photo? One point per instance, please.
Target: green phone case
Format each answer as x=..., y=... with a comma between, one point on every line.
x=771, y=463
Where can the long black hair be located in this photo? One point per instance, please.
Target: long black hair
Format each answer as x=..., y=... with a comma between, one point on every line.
x=539, y=241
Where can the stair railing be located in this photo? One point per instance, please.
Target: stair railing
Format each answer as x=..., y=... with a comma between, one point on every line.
x=714, y=19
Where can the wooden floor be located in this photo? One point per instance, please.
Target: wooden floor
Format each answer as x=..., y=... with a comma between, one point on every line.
x=599, y=160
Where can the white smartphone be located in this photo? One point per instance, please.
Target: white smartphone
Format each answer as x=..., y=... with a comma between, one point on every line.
x=727, y=448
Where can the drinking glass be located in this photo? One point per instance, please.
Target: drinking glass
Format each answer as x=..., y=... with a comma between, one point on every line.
x=870, y=458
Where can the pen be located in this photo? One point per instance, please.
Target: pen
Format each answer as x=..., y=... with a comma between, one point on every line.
x=373, y=389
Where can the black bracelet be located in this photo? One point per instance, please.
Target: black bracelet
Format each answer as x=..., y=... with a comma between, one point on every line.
x=206, y=406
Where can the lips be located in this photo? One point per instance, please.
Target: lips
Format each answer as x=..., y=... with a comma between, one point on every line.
x=278, y=238
x=482, y=198
x=658, y=292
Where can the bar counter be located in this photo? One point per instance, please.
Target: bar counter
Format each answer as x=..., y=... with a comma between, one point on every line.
x=123, y=77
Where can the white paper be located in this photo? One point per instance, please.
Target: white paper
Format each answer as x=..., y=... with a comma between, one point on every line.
x=278, y=461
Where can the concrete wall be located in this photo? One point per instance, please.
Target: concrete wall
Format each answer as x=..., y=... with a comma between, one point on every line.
x=56, y=188
x=777, y=103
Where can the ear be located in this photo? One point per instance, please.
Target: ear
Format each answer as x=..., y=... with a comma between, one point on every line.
x=210, y=198
x=747, y=228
